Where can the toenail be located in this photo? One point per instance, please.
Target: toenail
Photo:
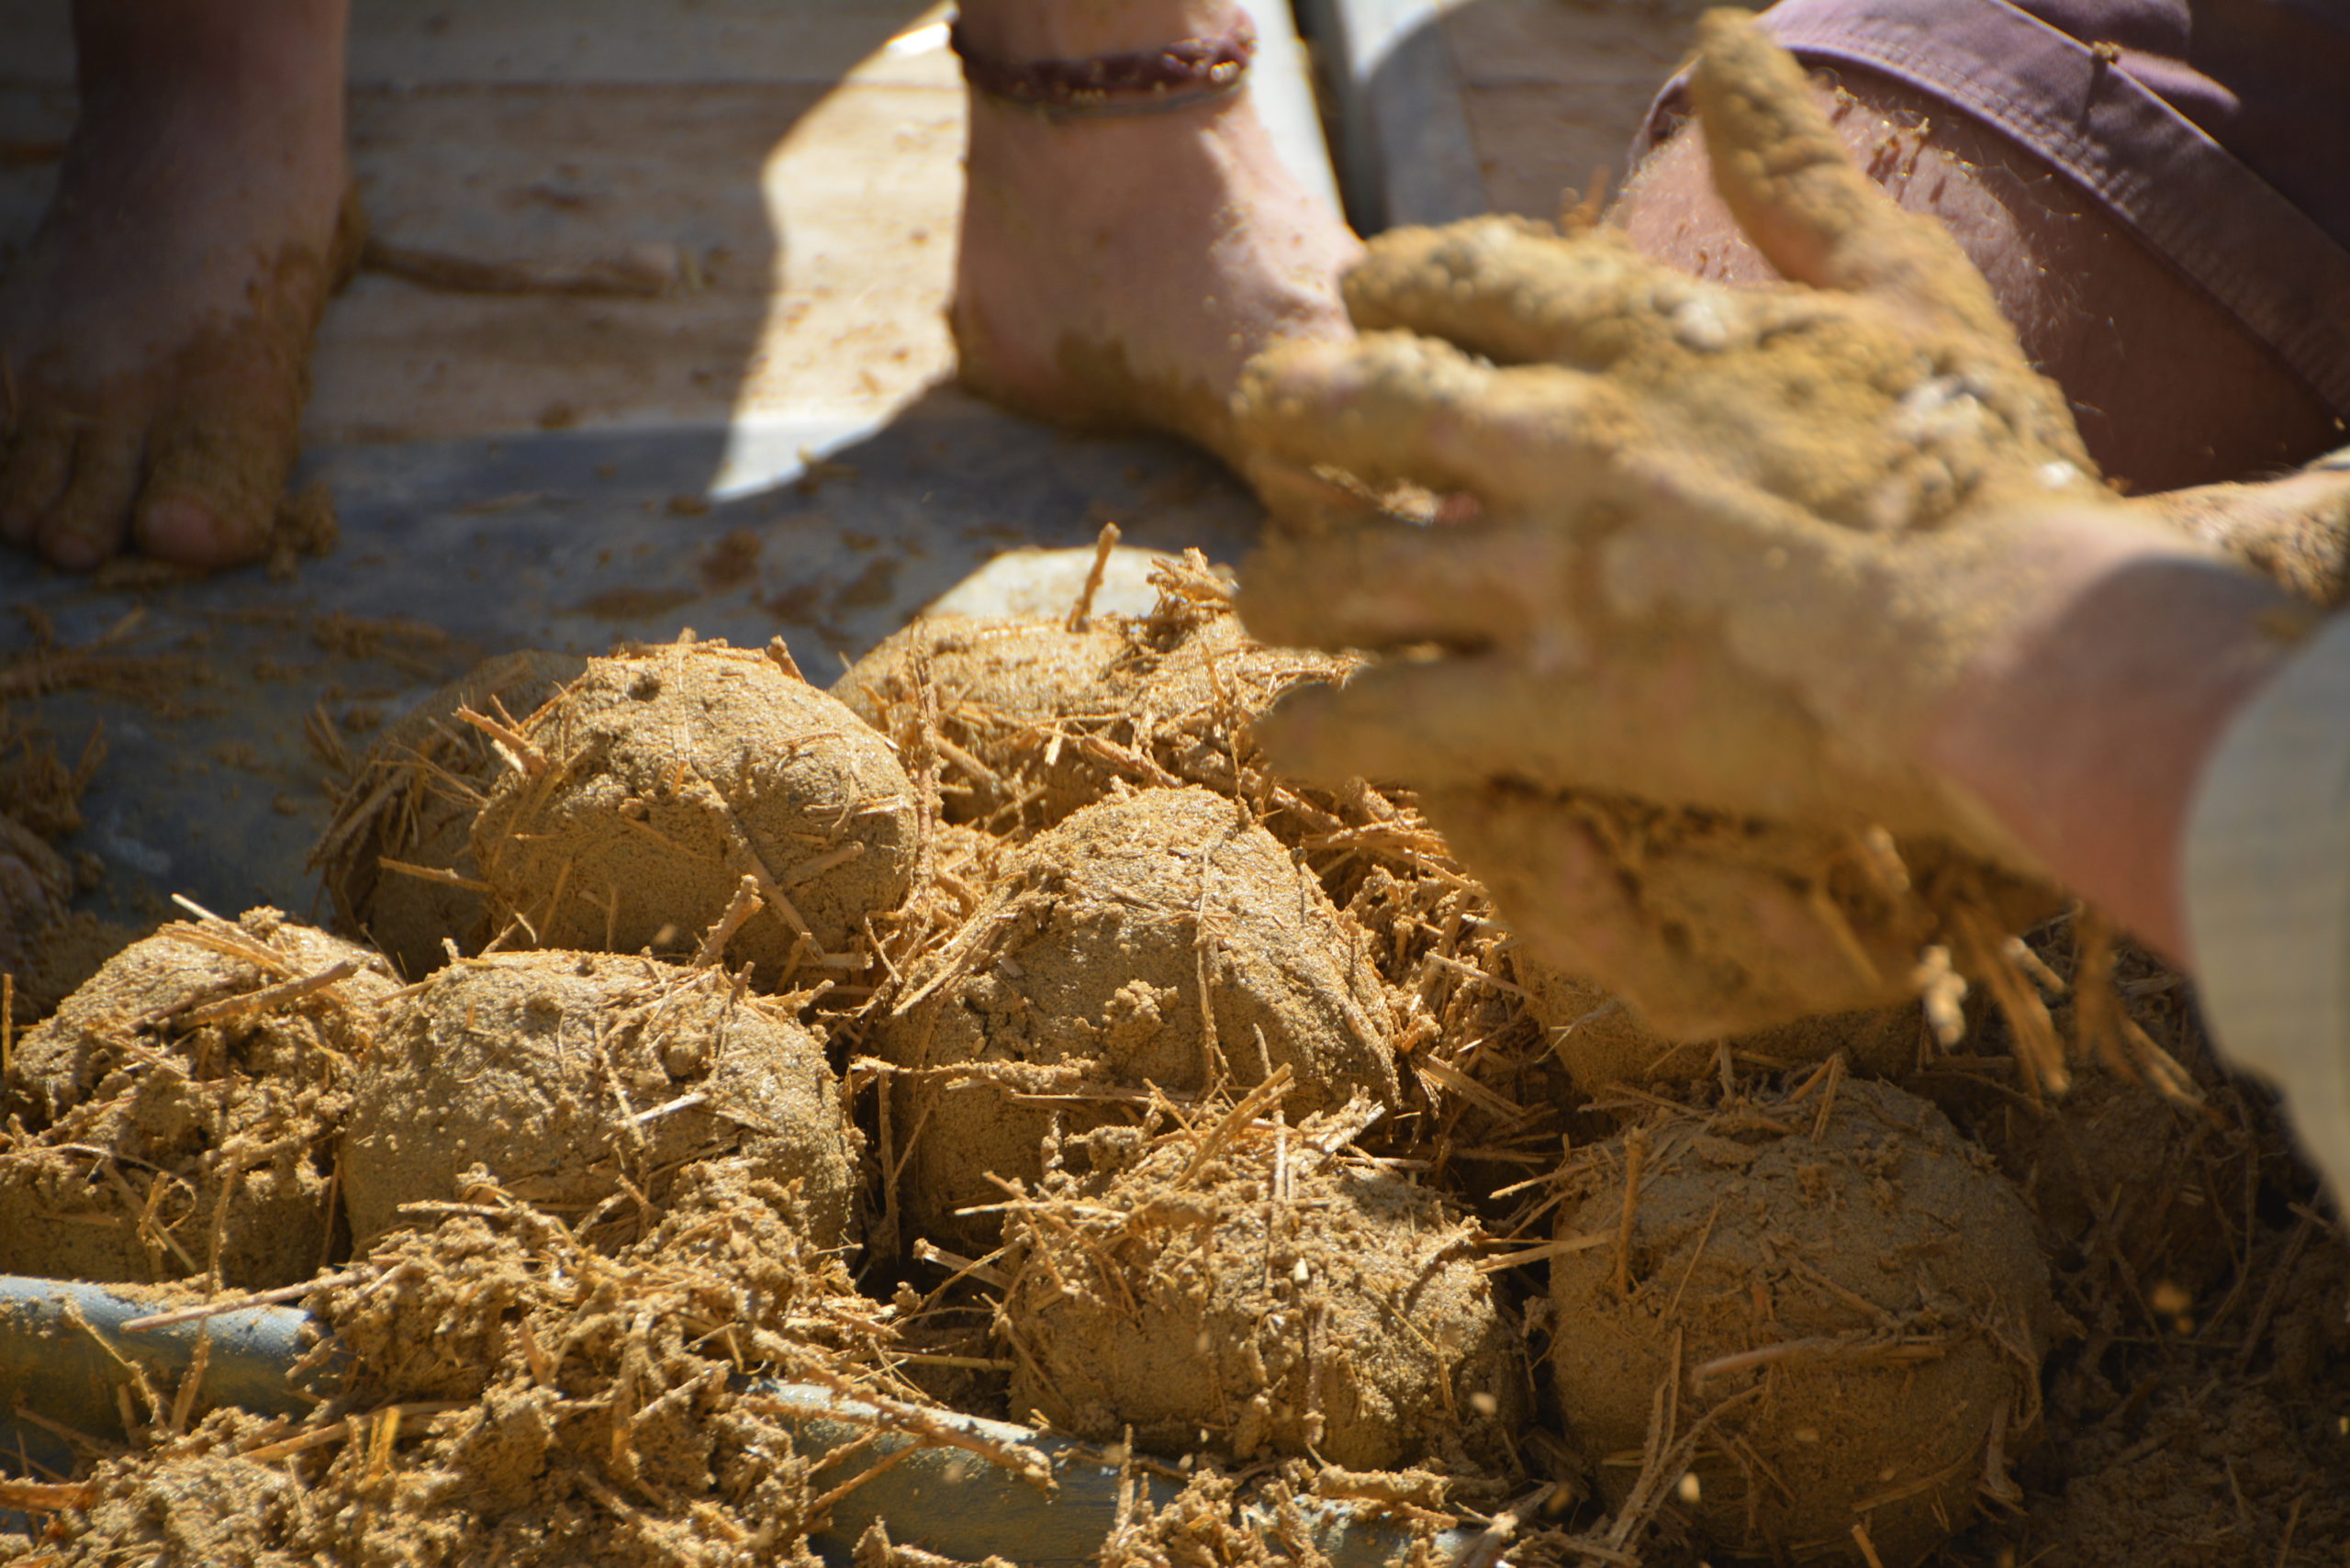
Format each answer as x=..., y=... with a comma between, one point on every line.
x=182, y=531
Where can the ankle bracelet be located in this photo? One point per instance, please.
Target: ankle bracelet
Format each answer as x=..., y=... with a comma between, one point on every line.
x=1173, y=77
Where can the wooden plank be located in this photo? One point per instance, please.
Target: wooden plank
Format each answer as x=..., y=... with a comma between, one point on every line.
x=1555, y=91
x=1406, y=151
x=1451, y=108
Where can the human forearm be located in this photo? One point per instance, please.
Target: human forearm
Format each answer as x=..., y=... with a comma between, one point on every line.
x=2295, y=529
x=2083, y=725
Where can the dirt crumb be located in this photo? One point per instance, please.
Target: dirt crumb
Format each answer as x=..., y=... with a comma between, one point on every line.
x=514, y=1396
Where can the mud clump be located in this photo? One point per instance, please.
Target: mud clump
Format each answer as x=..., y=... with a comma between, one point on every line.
x=177, y=1116
x=1083, y=978
x=1009, y=698
x=530, y=1401
x=1035, y=721
x=641, y=799
x=409, y=809
x=1249, y=1290
x=585, y=1083
x=1599, y=1041
x=2176, y=1494
x=2113, y=1169
x=1840, y=1303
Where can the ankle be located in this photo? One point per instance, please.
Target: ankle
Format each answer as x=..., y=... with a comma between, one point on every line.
x=1024, y=31
x=287, y=54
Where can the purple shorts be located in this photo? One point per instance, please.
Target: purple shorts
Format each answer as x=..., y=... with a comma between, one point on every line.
x=2219, y=136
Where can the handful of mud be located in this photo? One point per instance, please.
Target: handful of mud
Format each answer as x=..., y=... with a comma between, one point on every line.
x=997, y=1035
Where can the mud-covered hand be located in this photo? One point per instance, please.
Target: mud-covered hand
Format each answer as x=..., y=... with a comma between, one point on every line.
x=1735, y=544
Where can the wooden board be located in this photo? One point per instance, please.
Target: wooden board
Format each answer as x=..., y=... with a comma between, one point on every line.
x=1454, y=108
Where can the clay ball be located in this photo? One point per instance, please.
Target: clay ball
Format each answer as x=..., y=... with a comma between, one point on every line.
x=1036, y=720
x=412, y=801
x=1085, y=971
x=180, y=1109
x=657, y=781
x=1266, y=1298
x=1854, y=1302
x=564, y=1073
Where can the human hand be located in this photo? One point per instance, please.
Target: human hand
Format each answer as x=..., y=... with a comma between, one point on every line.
x=1737, y=547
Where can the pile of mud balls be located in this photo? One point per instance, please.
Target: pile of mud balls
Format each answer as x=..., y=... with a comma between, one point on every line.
x=1007, y=957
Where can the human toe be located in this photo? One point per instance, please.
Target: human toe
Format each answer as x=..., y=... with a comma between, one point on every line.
x=84, y=529
x=212, y=488
x=33, y=476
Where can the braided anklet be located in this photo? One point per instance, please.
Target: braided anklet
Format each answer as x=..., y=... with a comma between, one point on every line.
x=1173, y=77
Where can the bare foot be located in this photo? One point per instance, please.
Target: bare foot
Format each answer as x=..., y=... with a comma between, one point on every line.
x=1117, y=271
x=155, y=335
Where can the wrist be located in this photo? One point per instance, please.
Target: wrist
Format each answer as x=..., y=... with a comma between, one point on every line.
x=2083, y=721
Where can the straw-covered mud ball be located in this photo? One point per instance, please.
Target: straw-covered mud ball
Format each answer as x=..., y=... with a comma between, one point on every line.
x=1250, y=1291
x=584, y=1082
x=178, y=1113
x=1083, y=978
x=1033, y=721
x=1850, y=1296
x=1004, y=694
x=1600, y=1040
x=636, y=804
x=398, y=857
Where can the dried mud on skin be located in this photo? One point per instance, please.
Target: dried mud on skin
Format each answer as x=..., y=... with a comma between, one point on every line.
x=587, y=1083
x=636, y=804
x=411, y=803
x=176, y=1117
x=1601, y=1043
x=1244, y=1290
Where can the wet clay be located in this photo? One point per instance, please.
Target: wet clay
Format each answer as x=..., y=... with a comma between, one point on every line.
x=636, y=804
x=585, y=1083
x=526, y=1399
x=1599, y=1042
x=1842, y=1302
x=1705, y=925
x=177, y=1116
x=1083, y=977
x=1238, y=1289
x=412, y=801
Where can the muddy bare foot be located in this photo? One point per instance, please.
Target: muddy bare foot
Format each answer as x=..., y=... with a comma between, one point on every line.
x=1117, y=270
x=155, y=334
